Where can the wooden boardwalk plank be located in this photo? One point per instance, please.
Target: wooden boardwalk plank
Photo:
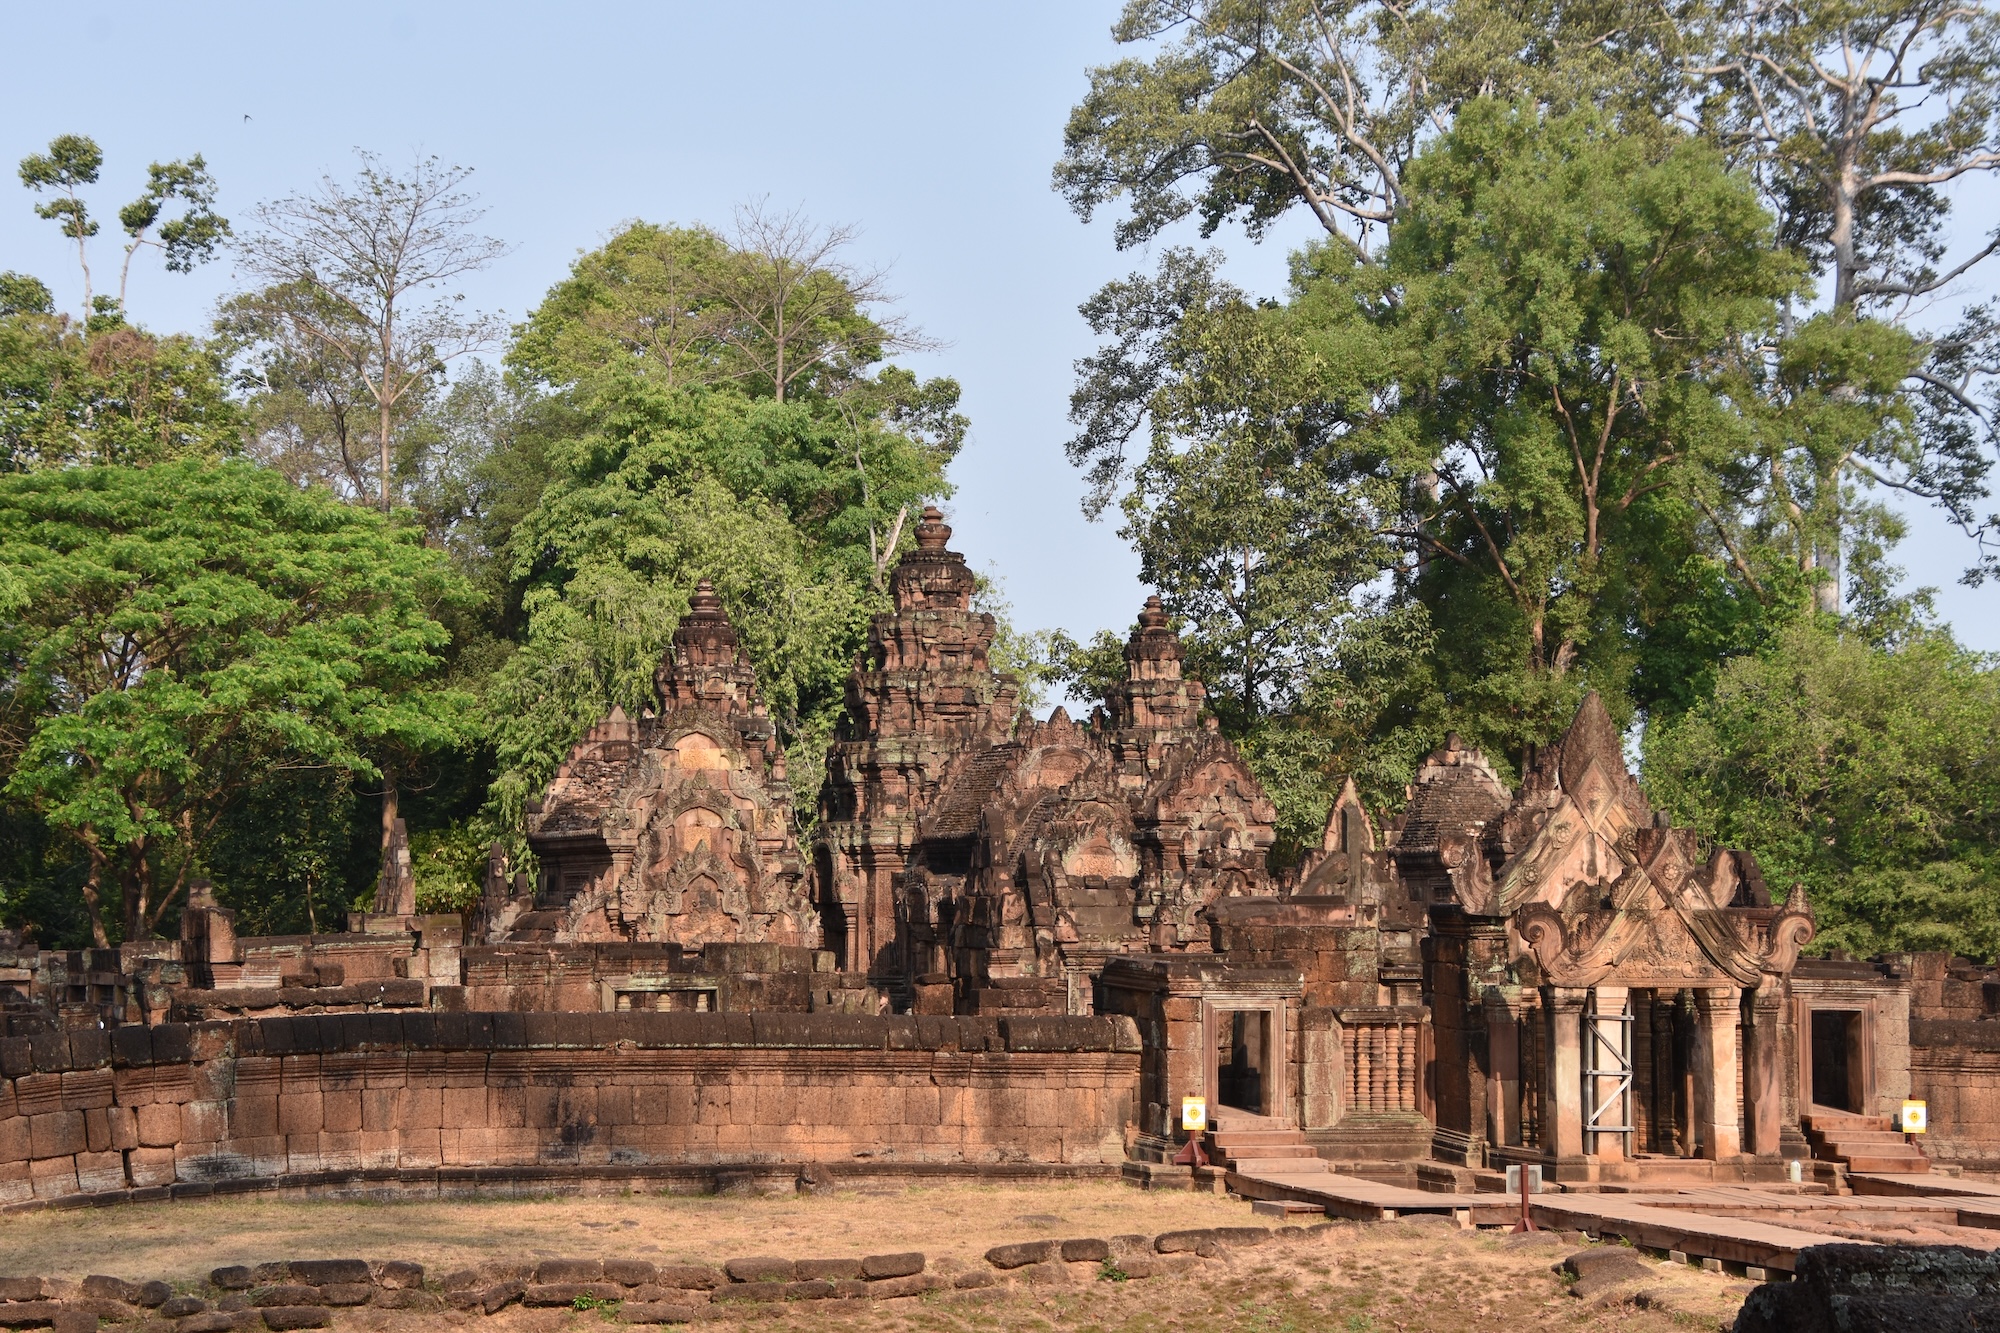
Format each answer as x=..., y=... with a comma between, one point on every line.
x=1878, y=1183
x=1696, y=1223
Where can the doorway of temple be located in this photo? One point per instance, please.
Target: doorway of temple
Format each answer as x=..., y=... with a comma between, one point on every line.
x=1242, y=1059
x=1834, y=1035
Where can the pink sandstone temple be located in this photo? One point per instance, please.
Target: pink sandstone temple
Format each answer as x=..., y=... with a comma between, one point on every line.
x=1005, y=946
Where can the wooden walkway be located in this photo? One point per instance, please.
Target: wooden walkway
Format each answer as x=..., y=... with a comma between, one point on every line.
x=1735, y=1224
x=1922, y=1186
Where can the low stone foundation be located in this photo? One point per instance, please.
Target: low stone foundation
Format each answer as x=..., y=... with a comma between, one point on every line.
x=384, y=1101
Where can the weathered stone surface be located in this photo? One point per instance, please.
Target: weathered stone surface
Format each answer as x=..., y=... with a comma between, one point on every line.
x=410, y=1298
x=20, y=1288
x=1879, y=1289
x=1600, y=1268
x=399, y=1274
x=1021, y=1253
x=915, y=1285
x=320, y=1272
x=878, y=1266
x=1180, y=1242
x=278, y=1318
x=28, y=1314
x=180, y=1307
x=565, y=1293
x=1085, y=1250
x=636, y=1312
x=630, y=1272
x=101, y=1287
x=827, y=1269
x=760, y=1269
x=151, y=1295
x=214, y=1321
x=552, y=1271
x=753, y=1291
x=235, y=1277
x=691, y=1277
x=284, y=1293
x=1244, y=1236
x=976, y=1277
x=346, y=1293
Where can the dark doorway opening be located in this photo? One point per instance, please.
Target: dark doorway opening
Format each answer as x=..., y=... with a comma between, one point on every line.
x=833, y=931
x=1242, y=1046
x=1833, y=1057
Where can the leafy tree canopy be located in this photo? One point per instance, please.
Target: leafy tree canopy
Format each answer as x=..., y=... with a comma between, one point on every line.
x=672, y=446
x=1871, y=775
x=123, y=396
x=172, y=634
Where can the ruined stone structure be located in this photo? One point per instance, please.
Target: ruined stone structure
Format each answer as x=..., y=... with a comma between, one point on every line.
x=1007, y=941
x=675, y=826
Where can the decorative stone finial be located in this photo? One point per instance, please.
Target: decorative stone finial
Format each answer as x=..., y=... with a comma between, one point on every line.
x=704, y=604
x=932, y=531
x=706, y=665
x=932, y=577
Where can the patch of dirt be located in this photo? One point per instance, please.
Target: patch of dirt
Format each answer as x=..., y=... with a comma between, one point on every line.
x=1418, y=1274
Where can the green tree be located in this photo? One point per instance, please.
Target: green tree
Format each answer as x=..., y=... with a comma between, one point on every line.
x=1582, y=312
x=1250, y=109
x=173, y=634
x=650, y=422
x=122, y=397
x=185, y=242
x=1859, y=119
x=347, y=266
x=1871, y=775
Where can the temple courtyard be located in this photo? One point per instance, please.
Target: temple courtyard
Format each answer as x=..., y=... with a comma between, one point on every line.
x=1416, y=1273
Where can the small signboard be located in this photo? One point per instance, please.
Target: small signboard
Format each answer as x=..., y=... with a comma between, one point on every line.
x=1194, y=1114
x=1915, y=1118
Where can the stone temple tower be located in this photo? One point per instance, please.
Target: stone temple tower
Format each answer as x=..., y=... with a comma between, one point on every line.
x=921, y=693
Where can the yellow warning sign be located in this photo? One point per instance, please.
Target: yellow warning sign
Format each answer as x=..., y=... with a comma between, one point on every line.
x=1194, y=1114
x=1915, y=1118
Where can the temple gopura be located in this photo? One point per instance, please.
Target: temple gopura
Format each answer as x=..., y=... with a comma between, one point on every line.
x=1006, y=941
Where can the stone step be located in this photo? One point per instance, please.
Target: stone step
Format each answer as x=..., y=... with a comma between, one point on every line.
x=1280, y=1166
x=1227, y=1136
x=1860, y=1137
x=1915, y=1164
x=1270, y=1153
x=1834, y=1121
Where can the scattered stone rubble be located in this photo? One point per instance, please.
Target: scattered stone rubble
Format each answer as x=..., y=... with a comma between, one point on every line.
x=305, y=1293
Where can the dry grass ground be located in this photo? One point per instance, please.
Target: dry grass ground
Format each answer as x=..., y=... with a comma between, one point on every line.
x=1354, y=1279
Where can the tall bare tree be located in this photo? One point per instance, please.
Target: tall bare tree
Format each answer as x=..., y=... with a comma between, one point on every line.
x=1859, y=117
x=381, y=254
x=797, y=310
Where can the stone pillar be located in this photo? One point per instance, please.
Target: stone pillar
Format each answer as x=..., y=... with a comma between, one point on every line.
x=1503, y=1091
x=1562, y=1082
x=1608, y=1044
x=1763, y=1074
x=1715, y=1058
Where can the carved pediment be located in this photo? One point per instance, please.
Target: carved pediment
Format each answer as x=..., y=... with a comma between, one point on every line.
x=1646, y=934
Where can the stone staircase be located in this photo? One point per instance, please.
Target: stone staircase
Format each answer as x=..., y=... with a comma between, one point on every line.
x=1862, y=1142
x=1260, y=1145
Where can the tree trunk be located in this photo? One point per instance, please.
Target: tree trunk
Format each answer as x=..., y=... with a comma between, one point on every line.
x=383, y=404
x=93, y=902
x=392, y=800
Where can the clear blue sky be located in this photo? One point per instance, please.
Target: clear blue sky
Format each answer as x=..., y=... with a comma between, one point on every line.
x=931, y=126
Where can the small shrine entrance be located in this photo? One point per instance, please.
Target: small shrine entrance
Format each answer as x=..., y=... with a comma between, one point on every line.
x=1243, y=1071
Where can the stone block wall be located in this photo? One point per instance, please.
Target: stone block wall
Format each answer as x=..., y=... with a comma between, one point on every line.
x=185, y=1108
x=1955, y=1070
